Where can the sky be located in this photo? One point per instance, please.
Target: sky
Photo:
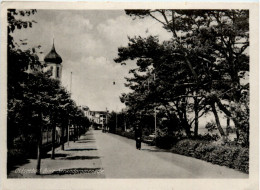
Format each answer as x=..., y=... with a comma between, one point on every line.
x=87, y=41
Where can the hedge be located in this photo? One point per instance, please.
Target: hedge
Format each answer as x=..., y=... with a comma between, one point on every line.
x=232, y=156
x=131, y=135
x=126, y=134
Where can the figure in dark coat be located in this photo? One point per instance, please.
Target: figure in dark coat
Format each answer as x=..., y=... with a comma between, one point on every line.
x=138, y=137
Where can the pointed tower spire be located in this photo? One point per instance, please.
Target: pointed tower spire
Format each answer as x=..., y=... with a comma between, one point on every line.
x=53, y=47
x=53, y=56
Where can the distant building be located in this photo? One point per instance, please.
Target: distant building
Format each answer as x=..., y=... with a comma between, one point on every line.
x=96, y=117
x=99, y=117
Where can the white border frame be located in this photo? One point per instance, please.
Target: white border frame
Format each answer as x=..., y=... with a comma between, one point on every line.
x=183, y=184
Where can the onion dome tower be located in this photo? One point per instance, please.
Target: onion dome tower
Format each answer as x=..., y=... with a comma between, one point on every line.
x=53, y=61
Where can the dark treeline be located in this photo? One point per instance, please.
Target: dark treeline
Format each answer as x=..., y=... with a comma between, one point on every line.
x=36, y=102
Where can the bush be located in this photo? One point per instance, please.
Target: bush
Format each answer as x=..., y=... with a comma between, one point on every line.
x=146, y=132
x=149, y=140
x=208, y=137
x=211, y=126
x=235, y=157
x=129, y=135
x=166, y=141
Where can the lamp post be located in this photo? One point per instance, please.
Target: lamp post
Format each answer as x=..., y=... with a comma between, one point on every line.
x=69, y=120
x=116, y=119
x=106, y=120
x=155, y=119
x=155, y=126
x=125, y=120
x=114, y=83
x=68, y=137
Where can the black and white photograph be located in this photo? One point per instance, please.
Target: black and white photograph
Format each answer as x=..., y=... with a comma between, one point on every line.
x=130, y=93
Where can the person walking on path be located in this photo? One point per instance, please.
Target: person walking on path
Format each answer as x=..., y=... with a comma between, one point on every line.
x=138, y=137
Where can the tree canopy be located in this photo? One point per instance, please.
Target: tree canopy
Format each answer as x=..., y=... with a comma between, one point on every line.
x=33, y=93
x=199, y=68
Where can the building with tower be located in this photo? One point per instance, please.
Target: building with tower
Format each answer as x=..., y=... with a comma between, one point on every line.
x=53, y=63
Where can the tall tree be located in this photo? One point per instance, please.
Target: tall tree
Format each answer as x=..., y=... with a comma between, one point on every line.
x=213, y=44
x=161, y=79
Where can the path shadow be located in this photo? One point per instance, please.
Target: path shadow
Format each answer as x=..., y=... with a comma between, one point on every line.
x=154, y=150
x=14, y=165
x=81, y=149
x=74, y=171
x=56, y=155
x=80, y=158
x=86, y=141
x=90, y=134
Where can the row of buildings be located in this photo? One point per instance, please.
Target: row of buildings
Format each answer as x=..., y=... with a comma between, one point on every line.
x=97, y=118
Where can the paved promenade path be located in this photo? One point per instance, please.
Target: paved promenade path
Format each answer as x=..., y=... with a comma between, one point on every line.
x=105, y=155
x=120, y=159
x=80, y=159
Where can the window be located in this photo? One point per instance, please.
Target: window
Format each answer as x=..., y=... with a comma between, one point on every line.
x=58, y=72
x=52, y=71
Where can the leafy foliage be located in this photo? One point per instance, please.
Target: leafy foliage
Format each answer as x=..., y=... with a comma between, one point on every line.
x=197, y=70
x=14, y=23
x=35, y=101
x=232, y=156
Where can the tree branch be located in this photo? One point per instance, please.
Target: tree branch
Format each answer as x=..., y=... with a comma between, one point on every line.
x=157, y=19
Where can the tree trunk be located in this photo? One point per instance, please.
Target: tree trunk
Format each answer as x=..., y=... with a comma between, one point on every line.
x=53, y=141
x=228, y=113
x=68, y=132
x=196, y=127
x=62, y=136
x=39, y=147
x=221, y=131
x=74, y=135
x=186, y=124
x=78, y=132
x=228, y=126
x=237, y=133
x=187, y=129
